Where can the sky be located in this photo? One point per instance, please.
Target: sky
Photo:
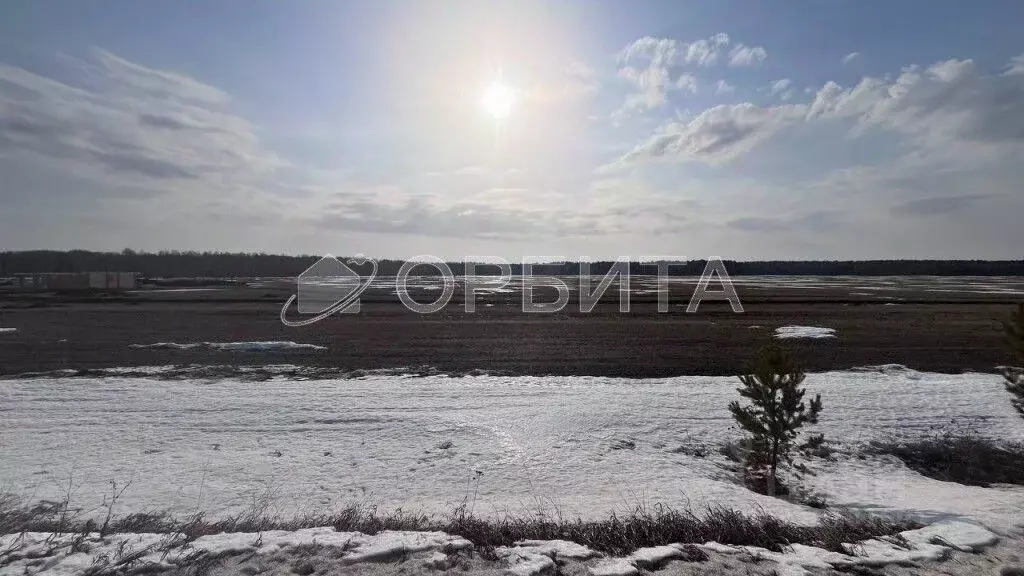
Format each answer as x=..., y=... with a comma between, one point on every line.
x=744, y=129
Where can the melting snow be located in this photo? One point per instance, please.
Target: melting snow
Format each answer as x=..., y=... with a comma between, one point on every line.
x=522, y=445
x=804, y=332
x=67, y=555
x=258, y=346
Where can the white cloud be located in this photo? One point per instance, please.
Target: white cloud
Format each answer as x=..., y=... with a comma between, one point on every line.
x=717, y=135
x=687, y=83
x=949, y=106
x=850, y=57
x=723, y=87
x=652, y=65
x=702, y=52
x=1016, y=66
x=653, y=85
x=780, y=86
x=742, y=55
x=950, y=103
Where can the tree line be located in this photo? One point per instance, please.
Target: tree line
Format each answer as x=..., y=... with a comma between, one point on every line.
x=176, y=264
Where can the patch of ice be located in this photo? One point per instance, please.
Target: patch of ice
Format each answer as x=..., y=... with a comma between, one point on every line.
x=804, y=332
x=256, y=346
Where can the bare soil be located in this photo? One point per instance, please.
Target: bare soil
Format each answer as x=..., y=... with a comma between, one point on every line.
x=925, y=331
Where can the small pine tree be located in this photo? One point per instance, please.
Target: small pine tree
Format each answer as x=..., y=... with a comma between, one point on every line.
x=776, y=413
x=1015, y=376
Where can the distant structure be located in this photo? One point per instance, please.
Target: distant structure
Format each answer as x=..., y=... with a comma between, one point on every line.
x=77, y=281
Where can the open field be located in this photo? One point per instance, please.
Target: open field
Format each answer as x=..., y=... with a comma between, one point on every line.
x=934, y=324
x=200, y=400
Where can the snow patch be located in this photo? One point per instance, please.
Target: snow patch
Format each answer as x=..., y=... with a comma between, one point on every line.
x=804, y=332
x=61, y=559
x=929, y=543
x=648, y=558
x=59, y=555
x=614, y=567
x=257, y=346
x=558, y=549
x=526, y=563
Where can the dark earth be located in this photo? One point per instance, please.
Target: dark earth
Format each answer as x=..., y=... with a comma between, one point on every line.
x=942, y=331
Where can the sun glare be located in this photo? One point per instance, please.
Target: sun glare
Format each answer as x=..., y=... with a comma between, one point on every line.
x=497, y=100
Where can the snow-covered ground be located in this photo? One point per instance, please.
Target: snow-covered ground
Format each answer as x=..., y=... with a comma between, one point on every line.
x=305, y=550
x=580, y=445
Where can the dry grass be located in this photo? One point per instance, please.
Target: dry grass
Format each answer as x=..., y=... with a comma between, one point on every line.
x=959, y=457
x=617, y=534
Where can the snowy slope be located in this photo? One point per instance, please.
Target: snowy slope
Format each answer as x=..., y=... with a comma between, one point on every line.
x=580, y=445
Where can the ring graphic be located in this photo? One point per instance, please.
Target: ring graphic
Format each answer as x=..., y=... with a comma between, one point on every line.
x=327, y=287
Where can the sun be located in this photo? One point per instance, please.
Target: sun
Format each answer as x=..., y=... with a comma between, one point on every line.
x=497, y=100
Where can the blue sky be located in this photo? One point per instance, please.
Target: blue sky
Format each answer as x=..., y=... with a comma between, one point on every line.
x=738, y=128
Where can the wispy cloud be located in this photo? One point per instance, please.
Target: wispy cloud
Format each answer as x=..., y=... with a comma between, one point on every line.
x=937, y=206
x=131, y=123
x=742, y=55
x=717, y=135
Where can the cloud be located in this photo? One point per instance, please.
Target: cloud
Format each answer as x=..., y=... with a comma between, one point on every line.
x=128, y=125
x=782, y=89
x=1016, y=66
x=687, y=83
x=717, y=135
x=652, y=65
x=723, y=87
x=817, y=221
x=742, y=55
x=948, y=108
x=159, y=83
x=850, y=57
x=938, y=206
x=950, y=103
x=396, y=212
x=653, y=84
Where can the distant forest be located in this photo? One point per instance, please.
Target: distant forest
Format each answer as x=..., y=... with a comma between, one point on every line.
x=237, y=265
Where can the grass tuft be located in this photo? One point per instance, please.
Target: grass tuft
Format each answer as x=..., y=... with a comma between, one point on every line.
x=959, y=457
